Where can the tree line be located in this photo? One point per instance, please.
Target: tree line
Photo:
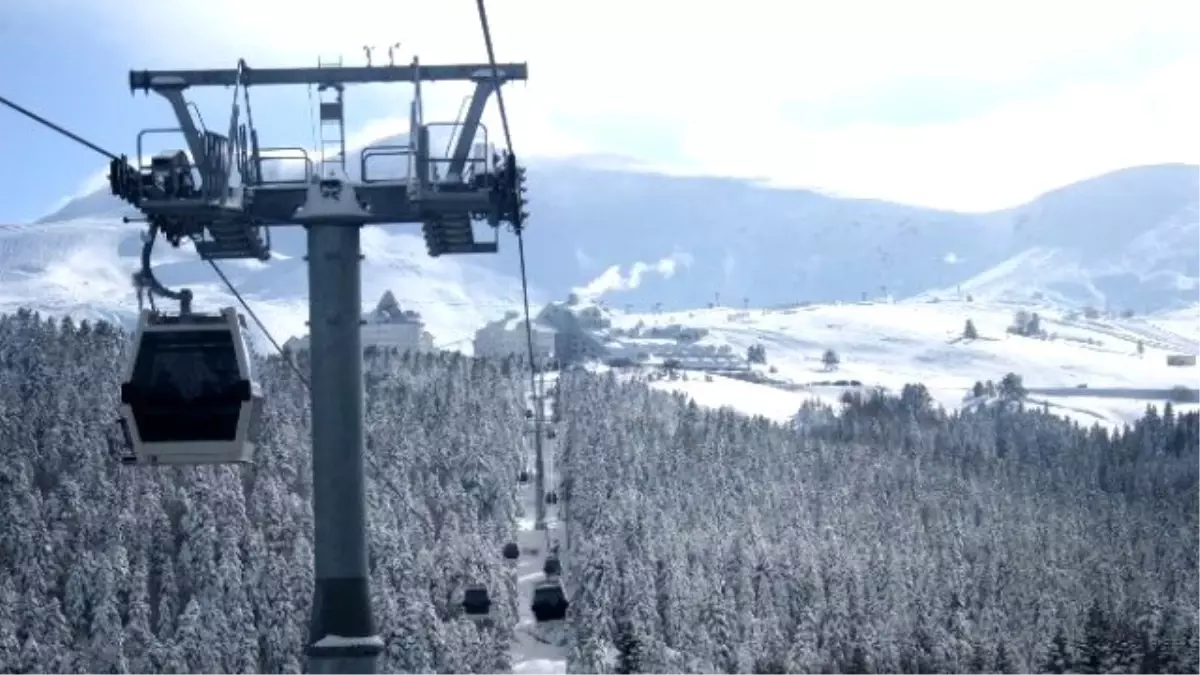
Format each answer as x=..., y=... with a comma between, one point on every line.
x=890, y=536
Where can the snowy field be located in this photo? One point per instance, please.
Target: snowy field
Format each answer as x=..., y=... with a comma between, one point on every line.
x=890, y=345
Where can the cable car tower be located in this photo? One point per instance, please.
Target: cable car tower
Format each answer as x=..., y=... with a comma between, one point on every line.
x=215, y=195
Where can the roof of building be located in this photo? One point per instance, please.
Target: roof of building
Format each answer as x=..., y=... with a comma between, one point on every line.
x=388, y=311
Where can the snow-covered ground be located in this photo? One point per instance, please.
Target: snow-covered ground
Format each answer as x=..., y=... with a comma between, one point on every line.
x=83, y=268
x=532, y=651
x=889, y=345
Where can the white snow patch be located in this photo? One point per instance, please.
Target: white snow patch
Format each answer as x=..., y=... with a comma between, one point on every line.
x=890, y=345
x=342, y=641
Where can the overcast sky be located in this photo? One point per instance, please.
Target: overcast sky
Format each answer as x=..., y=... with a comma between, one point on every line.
x=965, y=104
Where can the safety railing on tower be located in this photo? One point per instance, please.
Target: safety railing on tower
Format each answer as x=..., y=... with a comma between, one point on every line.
x=285, y=175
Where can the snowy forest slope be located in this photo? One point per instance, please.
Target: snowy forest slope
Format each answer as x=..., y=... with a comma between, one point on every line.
x=893, y=537
x=210, y=569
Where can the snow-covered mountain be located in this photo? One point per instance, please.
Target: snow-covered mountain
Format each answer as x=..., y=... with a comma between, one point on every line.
x=614, y=227
x=1126, y=240
x=82, y=267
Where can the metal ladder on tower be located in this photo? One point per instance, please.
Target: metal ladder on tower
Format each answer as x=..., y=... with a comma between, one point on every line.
x=332, y=124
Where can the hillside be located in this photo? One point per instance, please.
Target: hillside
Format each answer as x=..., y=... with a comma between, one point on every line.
x=82, y=267
x=895, y=540
x=1126, y=240
x=590, y=214
x=210, y=570
x=1089, y=370
x=1123, y=240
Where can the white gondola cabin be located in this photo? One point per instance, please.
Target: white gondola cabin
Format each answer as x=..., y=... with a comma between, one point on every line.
x=189, y=396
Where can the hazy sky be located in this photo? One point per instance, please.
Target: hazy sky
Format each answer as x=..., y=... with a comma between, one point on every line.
x=965, y=104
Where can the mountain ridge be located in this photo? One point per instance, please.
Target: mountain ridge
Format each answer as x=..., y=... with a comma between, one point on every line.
x=1126, y=239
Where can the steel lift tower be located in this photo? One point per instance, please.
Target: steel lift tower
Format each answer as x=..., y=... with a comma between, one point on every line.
x=219, y=198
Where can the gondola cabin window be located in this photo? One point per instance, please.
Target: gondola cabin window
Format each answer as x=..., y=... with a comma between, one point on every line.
x=189, y=386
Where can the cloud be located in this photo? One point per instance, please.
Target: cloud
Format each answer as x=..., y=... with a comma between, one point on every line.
x=612, y=280
x=939, y=102
x=94, y=182
x=991, y=160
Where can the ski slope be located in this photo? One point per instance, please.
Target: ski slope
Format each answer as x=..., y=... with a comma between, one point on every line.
x=83, y=268
x=536, y=649
x=1090, y=369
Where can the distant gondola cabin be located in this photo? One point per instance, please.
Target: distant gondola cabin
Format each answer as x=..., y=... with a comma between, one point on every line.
x=512, y=551
x=549, y=601
x=476, y=602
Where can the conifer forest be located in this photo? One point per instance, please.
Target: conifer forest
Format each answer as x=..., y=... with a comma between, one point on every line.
x=890, y=537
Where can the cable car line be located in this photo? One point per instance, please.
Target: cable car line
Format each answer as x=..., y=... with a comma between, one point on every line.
x=254, y=317
x=145, y=281
x=491, y=53
x=370, y=459
x=47, y=123
x=189, y=395
x=518, y=221
x=549, y=602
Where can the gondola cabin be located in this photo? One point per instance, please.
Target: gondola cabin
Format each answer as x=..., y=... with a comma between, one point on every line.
x=476, y=602
x=549, y=601
x=189, y=396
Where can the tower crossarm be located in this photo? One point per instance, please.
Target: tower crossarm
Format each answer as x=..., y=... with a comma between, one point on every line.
x=149, y=80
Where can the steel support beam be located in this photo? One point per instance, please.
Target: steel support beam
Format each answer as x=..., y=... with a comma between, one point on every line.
x=146, y=80
x=342, y=636
x=187, y=125
x=470, y=126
